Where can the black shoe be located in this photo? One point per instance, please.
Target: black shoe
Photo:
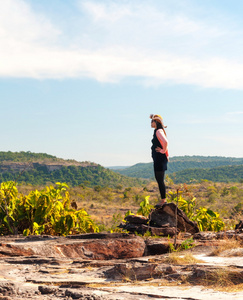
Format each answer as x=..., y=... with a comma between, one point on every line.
x=159, y=205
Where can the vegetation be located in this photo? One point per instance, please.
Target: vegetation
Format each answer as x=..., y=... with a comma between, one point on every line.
x=26, y=156
x=48, y=211
x=107, y=196
x=219, y=174
x=107, y=206
x=206, y=219
x=44, y=169
x=175, y=258
x=193, y=168
x=222, y=278
x=227, y=244
x=213, y=206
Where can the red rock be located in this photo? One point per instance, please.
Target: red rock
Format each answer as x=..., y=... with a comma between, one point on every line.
x=11, y=250
x=104, y=248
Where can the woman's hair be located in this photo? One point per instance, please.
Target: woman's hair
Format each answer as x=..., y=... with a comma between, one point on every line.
x=159, y=126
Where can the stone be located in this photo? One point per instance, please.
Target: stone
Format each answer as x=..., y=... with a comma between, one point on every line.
x=96, y=246
x=168, y=214
x=239, y=225
x=11, y=250
x=233, y=252
x=163, y=231
x=79, y=278
x=205, y=235
x=131, y=271
x=82, y=294
x=229, y=234
x=132, y=246
x=44, y=290
x=156, y=246
x=170, y=270
x=133, y=228
x=91, y=236
x=7, y=288
x=134, y=219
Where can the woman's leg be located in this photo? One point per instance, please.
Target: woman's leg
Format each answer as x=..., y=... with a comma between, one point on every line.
x=160, y=176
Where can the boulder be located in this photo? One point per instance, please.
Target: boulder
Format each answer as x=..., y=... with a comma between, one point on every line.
x=168, y=215
x=163, y=231
x=135, y=219
x=205, y=235
x=239, y=225
x=45, y=290
x=165, y=220
x=131, y=271
x=157, y=246
x=7, y=288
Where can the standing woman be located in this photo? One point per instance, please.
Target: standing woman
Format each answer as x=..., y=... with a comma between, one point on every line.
x=160, y=154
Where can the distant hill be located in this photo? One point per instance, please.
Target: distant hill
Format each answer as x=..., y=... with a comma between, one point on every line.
x=42, y=169
x=218, y=174
x=183, y=163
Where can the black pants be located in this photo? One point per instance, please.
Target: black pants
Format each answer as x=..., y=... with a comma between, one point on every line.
x=160, y=177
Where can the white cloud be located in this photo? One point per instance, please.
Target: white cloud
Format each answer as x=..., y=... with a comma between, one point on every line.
x=119, y=40
x=235, y=113
x=18, y=24
x=235, y=117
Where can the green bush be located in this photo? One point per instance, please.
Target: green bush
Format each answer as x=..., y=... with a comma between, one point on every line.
x=48, y=211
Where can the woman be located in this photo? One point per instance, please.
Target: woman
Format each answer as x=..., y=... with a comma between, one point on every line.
x=160, y=154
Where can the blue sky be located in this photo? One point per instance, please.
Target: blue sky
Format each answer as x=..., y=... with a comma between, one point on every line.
x=79, y=79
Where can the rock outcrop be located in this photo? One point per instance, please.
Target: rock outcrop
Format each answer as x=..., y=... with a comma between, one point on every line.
x=51, y=268
x=166, y=220
x=87, y=246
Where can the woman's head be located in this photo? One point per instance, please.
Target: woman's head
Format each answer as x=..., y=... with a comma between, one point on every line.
x=155, y=124
x=157, y=121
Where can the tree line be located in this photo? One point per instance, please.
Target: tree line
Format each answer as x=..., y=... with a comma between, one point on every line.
x=72, y=175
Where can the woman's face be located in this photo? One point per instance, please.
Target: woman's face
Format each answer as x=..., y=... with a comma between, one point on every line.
x=153, y=124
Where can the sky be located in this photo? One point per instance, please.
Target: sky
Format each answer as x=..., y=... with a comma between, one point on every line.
x=79, y=78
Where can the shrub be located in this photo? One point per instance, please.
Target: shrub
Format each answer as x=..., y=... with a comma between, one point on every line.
x=48, y=211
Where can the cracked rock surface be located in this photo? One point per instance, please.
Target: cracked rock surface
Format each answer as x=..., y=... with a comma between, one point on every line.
x=109, y=266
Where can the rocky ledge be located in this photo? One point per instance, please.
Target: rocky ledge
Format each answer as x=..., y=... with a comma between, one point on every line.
x=166, y=220
x=118, y=266
x=112, y=266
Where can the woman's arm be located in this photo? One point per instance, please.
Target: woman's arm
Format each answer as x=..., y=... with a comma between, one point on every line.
x=163, y=141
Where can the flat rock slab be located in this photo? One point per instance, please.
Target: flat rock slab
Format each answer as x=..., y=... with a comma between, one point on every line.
x=141, y=278
x=174, y=293
x=103, y=267
x=97, y=246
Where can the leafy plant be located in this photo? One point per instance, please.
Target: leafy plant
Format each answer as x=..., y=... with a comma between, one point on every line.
x=46, y=211
x=187, y=205
x=185, y=245
x=145, y=207
x=206, y=218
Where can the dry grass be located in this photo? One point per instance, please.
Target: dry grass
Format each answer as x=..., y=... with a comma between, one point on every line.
x=176, y=258
x=230, y=288
x=104, y=204
x=227, y=244
x=222, y=278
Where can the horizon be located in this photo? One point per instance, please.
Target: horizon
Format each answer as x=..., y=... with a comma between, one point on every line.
x=124, y=166
x=80, y=78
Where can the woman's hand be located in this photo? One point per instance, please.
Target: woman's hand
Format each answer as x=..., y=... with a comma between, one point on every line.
x=158, y=149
